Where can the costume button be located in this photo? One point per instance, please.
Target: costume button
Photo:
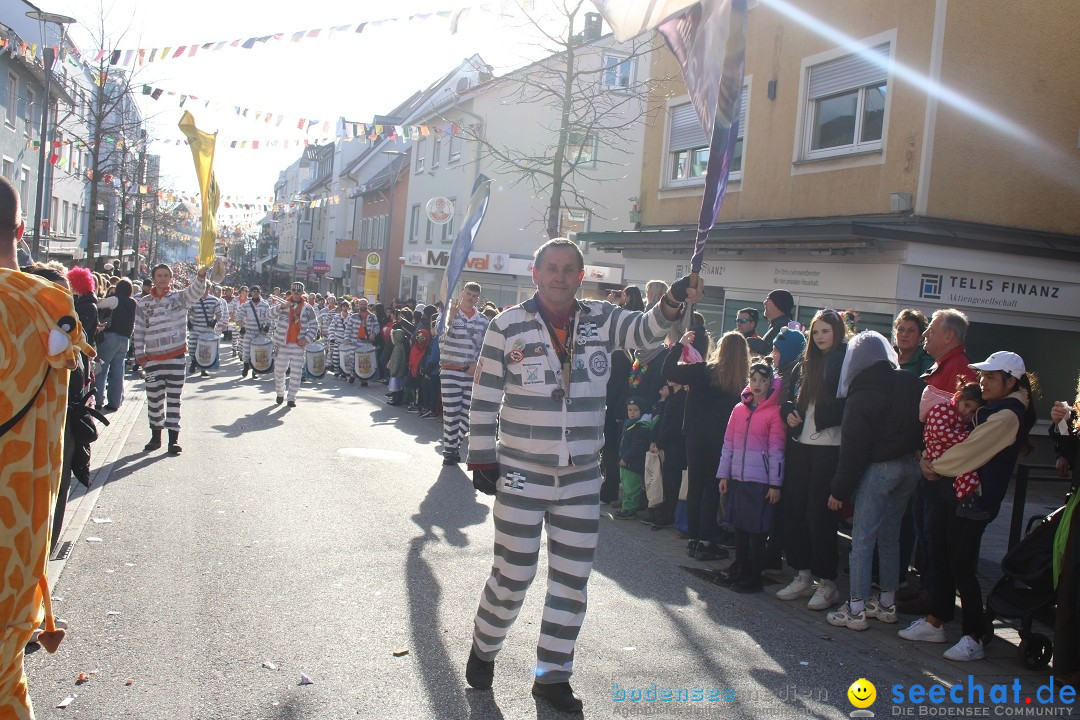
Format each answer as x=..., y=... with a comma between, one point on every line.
x=568, y=401
x=566, y=432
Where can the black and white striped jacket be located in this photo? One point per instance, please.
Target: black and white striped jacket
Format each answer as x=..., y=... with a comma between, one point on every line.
x=161, y=323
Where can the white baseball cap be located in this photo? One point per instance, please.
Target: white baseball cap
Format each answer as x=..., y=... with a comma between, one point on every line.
x=1007, y=362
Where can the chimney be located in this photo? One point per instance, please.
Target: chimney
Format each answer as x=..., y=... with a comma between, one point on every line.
x=592, y=26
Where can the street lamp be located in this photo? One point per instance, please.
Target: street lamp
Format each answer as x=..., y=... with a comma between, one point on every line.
x=62, y=21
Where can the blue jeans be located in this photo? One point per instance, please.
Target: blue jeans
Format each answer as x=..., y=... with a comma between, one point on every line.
x=880, y=501
x=111, y=352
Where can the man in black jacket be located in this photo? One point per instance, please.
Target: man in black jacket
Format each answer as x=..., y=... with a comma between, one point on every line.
x=778, y=306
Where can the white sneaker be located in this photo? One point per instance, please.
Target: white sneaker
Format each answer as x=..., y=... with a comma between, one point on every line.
x=797, y=588
x=825, y=597
x=922, y=631
x=845, y=618
x=965, y=650
x=874, y=609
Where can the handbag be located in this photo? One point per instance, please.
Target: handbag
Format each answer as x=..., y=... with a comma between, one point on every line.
x=654, y=478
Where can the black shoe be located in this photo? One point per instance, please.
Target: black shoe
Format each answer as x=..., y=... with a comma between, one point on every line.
x=245, y=372
x=175, y=449
x=692, y=548
x=363, y=383
x=352, y=379
x=174, y=442
x=155, y=440
x=412, y=408
x=559, y=696
x=451, y=458
x=205, y=374
x=280, y=399
x=424, y=413
x=292, y=403
x=479, y=673
x=748, y=585
x=709, y=551
x=731, y=576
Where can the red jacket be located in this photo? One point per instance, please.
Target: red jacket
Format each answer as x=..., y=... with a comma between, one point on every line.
x=416, y=353
x=946, y=372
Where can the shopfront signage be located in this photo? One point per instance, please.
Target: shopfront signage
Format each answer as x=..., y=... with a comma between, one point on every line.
x=440, y=210
x=484, y=262
x=947, y=288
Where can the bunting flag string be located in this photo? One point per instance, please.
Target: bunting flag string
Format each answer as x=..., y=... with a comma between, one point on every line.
x=124, y=57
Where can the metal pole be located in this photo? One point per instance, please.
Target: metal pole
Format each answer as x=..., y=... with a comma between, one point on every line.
x=35, y=247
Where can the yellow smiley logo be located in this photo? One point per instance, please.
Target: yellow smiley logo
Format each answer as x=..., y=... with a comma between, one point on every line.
x=862, y=693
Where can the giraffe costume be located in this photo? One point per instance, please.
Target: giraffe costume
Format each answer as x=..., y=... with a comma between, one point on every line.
x=40, y=343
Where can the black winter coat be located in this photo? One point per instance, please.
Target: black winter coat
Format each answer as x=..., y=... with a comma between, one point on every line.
x=829, y=409
x=881, y=422
x=668, y=433
x=707, y=406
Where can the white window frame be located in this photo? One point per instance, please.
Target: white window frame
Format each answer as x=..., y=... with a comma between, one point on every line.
x=414, y=224
x=421, y=158
x=436, y=149
x=11, y=117
x=567, y=214
x=9, y=169
x=454, y=147
x=588, y=158
x=605, y=69
x=428, y=232
x=807, y=108
x=667, y=182
x=24, y=187
x=448, y=228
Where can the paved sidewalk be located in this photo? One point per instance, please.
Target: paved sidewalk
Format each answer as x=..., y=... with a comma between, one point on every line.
x=911, y=662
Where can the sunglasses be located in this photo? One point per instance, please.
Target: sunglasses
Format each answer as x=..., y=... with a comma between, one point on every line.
x=744, y=321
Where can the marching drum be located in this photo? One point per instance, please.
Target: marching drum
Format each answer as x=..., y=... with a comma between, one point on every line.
x=262, y=353
x=345, y=356
x=315, y=359
x=365, y=362
x=206, y=349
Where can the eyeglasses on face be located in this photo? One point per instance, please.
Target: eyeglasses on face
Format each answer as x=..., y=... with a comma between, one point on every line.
x=744, y=321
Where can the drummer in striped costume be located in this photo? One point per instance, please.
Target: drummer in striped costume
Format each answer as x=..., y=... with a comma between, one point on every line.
x=335, y=337
x=160, y=318
x=542, y=382
x=295, y=327
x=363, y=327
x=252, y=318
x=203, y=316
x=459, y=347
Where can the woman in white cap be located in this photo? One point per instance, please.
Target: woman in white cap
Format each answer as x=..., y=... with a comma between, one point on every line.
x=993, y=448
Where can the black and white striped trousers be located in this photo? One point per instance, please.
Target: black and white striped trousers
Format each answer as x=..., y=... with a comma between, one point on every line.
x=164, y=383
x=565, y=501
x=456, y=399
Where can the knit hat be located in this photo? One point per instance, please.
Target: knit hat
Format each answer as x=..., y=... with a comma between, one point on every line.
x=637, y=402
x=298, y=287
x=782, y=300
x=790, y=343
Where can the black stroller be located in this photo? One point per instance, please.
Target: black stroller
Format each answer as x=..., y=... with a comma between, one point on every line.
x=1026, y=592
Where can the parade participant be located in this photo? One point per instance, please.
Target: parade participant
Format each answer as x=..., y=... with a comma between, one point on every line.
x=335, y=329
x=38, y=319
x=541, y=380
x=159, y=350
x=459, y=349
x=203, y=316
x=252, y=317
x=296, y=326
x=363, y=326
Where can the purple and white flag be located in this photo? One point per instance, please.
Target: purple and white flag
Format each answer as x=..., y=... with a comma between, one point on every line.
x=463, y=243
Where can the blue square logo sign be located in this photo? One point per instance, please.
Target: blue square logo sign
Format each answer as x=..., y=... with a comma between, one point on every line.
x=930, y=286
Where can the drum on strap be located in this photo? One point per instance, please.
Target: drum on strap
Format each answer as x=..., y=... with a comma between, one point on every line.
x=206, y=349
x=365, y=362
x=262, y=353
x=315, y=359
x=346, y=350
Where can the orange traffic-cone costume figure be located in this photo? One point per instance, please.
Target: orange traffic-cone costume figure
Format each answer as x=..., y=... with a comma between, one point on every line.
x=40, y=340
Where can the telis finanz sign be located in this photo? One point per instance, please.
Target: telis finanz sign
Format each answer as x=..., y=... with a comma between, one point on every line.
x=944, y=288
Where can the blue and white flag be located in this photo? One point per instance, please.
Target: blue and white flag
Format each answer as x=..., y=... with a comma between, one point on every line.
x=463, y=243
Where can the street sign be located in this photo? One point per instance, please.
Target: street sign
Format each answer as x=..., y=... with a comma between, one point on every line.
x=440, y=210
x=308, y=245
x=321, y=267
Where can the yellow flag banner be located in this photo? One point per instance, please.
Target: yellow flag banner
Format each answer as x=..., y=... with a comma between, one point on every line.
x=202, y=152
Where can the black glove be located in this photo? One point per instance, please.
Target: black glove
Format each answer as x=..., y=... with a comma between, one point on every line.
x=485, y=481
x=679, y=287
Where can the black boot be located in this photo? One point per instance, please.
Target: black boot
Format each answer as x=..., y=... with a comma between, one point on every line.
x=155, y=439
x=247, y=366
x=559, y=696
x=479, y=673
x=174, y=442
x=192, y=367
x=395, y=398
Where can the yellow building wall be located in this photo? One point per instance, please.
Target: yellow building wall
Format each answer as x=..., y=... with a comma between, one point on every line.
x=1020, y=61
x=772, y=185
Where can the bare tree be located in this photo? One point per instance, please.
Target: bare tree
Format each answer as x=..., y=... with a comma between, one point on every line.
x=597, y=94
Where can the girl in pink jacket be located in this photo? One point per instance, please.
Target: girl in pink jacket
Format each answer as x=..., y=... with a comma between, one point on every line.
x=751, y=474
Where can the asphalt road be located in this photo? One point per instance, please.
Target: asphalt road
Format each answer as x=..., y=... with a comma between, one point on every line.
x=321, y=539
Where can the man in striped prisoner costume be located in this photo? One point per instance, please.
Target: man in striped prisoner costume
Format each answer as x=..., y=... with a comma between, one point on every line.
x=203, y=316
x=537, y=425
x=252, y=317
x=160, y=322
x=335, y=328
x=295, y=326
x=459, y=347
x=362, y=326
